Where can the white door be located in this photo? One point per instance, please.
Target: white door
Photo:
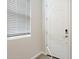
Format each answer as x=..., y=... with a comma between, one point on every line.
x=57, y=28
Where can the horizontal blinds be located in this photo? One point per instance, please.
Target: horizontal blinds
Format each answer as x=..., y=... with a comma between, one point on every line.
x=18, y=17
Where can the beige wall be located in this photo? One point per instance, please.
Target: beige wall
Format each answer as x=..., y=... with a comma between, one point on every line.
x=25, y=48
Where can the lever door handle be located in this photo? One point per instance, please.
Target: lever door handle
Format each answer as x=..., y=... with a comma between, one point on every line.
x=66, y=31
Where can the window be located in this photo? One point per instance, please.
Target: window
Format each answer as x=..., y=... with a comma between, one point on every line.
x=18, y=17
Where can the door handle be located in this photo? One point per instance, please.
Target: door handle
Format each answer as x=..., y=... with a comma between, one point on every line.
x=66, y=33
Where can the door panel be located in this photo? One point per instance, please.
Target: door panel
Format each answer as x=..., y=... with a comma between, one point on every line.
x=57, y=18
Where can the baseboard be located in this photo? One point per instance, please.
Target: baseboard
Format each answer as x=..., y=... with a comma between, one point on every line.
x=38, y=54
x=48, y=51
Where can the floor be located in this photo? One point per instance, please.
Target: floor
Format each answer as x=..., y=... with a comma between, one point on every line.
x=43, y=57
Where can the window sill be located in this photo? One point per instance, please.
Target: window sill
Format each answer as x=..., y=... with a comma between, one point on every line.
x=18, y=37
